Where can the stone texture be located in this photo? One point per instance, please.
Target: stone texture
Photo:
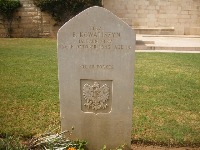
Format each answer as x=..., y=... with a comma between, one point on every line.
x=29, y=21
x=178, y=14
x=182, y=15
x=96, y=69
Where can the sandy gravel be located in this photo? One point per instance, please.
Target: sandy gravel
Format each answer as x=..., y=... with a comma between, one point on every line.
x=141, y=147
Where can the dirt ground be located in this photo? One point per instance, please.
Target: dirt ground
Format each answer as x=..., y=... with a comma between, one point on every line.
x=143, y=147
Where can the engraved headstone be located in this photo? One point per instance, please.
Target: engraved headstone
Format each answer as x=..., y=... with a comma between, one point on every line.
x=96, y=70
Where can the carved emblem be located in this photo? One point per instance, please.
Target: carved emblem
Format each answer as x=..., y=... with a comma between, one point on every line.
x=96, y=96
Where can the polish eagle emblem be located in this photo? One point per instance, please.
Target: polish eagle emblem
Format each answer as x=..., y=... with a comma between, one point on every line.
x=96, y=96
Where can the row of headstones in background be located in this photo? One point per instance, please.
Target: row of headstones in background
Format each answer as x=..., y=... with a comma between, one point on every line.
x=96, y=70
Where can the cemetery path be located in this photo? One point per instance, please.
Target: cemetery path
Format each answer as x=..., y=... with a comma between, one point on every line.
x=168, y=43
x=143, y=147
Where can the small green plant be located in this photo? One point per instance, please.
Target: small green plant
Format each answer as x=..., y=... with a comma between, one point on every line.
x=63, y=10
x=11, y=143
x=7, y=10
x=121, y=147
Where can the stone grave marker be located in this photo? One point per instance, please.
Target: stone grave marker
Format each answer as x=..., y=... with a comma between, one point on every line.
x=96, y=71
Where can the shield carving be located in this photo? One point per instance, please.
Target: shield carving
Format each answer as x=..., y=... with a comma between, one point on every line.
x=96, y=96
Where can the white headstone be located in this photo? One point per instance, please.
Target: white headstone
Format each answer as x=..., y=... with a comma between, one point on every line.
x=96, y=71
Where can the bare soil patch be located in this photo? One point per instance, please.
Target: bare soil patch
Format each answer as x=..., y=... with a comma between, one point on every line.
x=144, y=147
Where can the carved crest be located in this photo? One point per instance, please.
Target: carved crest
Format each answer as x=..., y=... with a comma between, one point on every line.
x=96, y=96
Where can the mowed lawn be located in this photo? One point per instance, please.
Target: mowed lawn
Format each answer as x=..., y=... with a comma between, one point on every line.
x=166, y=97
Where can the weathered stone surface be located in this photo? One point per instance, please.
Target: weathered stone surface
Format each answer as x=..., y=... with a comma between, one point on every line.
x=182, y=15
x=96, y=69
x=178, y=14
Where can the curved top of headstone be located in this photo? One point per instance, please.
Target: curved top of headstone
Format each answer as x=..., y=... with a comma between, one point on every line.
x=93, y=16
x=96, y=70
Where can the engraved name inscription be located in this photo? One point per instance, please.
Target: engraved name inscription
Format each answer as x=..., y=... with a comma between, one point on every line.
x=96, y=38
x=96, y=96
x=105, y=67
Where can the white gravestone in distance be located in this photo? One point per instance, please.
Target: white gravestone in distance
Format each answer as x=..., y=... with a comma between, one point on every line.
x=96, y=71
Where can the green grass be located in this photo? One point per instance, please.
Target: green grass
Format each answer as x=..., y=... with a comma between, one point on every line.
x=166, y=101
x=29, y=102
